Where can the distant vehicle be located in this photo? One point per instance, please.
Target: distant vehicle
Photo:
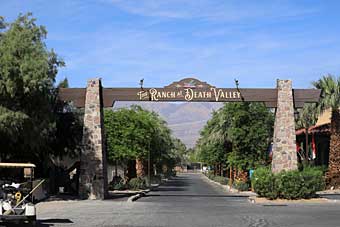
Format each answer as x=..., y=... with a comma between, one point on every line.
x=16, y=205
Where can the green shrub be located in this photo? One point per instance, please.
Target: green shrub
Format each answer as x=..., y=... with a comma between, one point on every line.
x=263, y=182
x=240, y=185
x=137, y=183
x=120, y=186
x=221, y=180
x=288, y=184
x=210, y=175
x=156, y=179
x=117, y=183
x=169, y=174
x=312, y=181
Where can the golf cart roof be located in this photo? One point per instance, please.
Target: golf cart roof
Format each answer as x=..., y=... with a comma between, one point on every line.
x=16, y=165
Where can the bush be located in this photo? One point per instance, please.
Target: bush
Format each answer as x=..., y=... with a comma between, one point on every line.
x=288, y=184
x=117, y=183
x=220, y=179
x=240, y=185
x=263, y=182
x=210, y=175
x=156, y=179
x=120, y=186
x=313, y=179
x=137, y=183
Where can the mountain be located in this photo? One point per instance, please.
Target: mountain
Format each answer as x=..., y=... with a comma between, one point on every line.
x=184, y=119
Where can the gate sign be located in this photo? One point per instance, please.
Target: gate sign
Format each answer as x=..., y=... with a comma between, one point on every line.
x=190, y=90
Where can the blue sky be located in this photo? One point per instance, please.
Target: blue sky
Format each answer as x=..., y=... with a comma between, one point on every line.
x=162, y=41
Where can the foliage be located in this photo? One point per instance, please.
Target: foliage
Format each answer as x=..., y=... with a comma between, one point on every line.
x=238, y=134
x=330, y=92
x=27, y=93
x=288, y=184
x=307, y=116
x=156, y=179
x=134, y=132
x=137, y=183
x=263, y=182
x=128, y=133
x=117, y=183
x=330, y=98
x=220, y=179
x=192, y=155
x=240, y=185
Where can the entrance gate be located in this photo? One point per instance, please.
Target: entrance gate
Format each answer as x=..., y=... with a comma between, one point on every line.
x=93, y=176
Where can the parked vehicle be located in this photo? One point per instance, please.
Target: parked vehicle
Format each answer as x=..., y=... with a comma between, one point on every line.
x=16, y=201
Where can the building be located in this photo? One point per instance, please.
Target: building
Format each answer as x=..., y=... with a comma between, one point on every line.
x=318, y=140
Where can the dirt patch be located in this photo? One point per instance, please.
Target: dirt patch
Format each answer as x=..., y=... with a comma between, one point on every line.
x=258, y=200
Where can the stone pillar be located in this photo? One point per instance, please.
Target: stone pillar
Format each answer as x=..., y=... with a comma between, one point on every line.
x=284, y=142
x=93, y=176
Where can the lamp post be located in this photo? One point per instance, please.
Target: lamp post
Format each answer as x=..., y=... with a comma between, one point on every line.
x=238, y=89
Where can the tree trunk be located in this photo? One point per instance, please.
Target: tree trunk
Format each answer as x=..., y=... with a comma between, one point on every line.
x=307, y=146
x=140, y=168
x=221, y=169
x=333, y=174
x=231, y=174
x=116, y=168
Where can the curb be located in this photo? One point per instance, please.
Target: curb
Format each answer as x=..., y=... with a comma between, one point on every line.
x=138, y=195
x=135, y=197
x=285, y=202
x=230, y=189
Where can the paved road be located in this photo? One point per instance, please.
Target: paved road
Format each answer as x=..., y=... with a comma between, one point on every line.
x=188, y=200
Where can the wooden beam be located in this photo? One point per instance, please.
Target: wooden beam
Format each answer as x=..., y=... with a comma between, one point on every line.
x=268, y=96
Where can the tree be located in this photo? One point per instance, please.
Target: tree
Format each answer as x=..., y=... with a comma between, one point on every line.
x=250, y=133
x=27, y=76
x=63, y=83
x=330, y=99
x=238, y=134
x=69, y=126
x=134, y=132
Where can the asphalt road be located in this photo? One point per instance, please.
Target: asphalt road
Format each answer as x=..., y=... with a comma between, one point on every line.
x=187, y=200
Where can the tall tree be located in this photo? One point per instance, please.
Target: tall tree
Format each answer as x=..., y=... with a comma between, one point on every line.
x=134, y=133
x=330, y=99
x=237, y=134
x=27, y=75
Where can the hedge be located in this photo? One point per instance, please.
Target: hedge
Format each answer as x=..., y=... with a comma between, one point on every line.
x=219, y=179
x=137, y=183
x=288, y=184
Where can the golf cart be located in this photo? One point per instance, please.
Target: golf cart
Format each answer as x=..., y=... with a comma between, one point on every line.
x=16, y=200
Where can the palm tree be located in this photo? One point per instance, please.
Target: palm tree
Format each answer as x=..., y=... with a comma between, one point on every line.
x=330, y=98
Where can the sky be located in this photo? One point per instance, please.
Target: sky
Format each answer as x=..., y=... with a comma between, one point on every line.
x=123, y=41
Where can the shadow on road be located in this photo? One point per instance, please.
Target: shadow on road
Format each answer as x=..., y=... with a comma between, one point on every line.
x=53, y=221
x=196, y=195
x=174, y=184
x=40, y=223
